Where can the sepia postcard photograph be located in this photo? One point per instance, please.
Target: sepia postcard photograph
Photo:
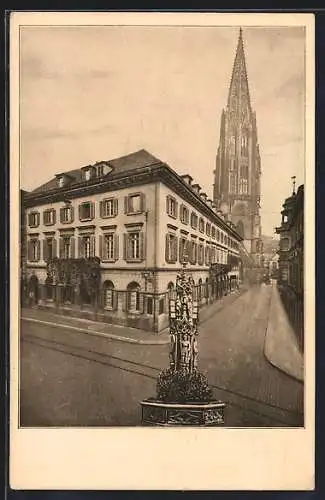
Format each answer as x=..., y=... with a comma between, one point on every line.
x=162, y=233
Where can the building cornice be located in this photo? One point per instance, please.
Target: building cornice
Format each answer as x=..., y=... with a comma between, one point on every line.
x=147, y=175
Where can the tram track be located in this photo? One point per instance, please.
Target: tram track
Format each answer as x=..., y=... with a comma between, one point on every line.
x=232, y=398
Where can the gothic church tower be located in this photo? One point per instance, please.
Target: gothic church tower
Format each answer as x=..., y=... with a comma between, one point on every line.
x=236, y=189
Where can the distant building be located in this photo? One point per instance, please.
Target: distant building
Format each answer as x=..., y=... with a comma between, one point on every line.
x=291, y=259
x=237, y=175
x=107, y=241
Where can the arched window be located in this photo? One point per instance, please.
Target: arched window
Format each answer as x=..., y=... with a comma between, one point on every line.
x=108, y=295
x=133, y=296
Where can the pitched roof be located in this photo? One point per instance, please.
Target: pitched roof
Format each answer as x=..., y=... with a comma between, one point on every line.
x=124, y=164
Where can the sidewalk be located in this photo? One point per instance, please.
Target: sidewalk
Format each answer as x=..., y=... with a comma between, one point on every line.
x=117, y=332
x=113, y=332
x=281, y=347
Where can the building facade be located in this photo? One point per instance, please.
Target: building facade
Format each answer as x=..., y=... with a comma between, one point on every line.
x=291, y=260
x=108, y=240
x=237, y=190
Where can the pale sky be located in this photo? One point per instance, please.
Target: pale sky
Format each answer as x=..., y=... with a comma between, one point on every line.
x=97, y=93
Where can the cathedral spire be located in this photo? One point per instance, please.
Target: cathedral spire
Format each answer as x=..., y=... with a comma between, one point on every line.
x=239, y=90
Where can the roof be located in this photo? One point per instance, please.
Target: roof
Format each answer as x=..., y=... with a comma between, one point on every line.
x=127, y=163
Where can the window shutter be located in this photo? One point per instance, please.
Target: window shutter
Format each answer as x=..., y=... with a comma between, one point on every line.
x=72, y=247
x=54, y=248
x=116, y=247
x=115, y=202
x=38, y=218
x=71, y=214
x=175, y=249
x=167, y=204
x=142, y=202
x=92, y=210
x=101, y=208
x=54, y=216
x=29, y=250
x=45, y=253
x=180, y=252
x=126, y=204
x=79, y=246
x=125, y=246
x=38, y=249
x=29, y=219
x=176, y=208
x=61, y=215
x=61, y=248
x=167, y=256
x=142, y=245
x=100, y=242
x=80, y=212
x=92, y=246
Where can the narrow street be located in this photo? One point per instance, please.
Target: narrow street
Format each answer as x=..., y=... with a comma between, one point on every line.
x=75, y=379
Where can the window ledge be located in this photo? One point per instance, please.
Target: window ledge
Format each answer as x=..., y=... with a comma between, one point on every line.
x=86, y=220
x=108, y=216
x=135, y=213
x=134, y=260
x=109, y=260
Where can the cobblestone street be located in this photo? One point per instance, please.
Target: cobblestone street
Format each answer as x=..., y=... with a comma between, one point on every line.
x=72, y=378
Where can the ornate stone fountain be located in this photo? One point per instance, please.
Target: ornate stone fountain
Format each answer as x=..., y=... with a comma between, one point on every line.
x=183, y=393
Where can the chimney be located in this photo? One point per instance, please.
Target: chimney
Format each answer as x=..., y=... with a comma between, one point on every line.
x=204, y=196
x=210, y=203
x=187, y=178
x=196, y=188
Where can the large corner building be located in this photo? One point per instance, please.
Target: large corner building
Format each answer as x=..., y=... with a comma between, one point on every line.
x=238, y=164
x=107, y=241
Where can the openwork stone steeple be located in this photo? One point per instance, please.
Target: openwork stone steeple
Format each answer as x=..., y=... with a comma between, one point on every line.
x=238, y=164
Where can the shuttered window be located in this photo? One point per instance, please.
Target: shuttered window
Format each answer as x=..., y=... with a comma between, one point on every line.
x=171, y=247
x=49, y=217
x=49, y=249
x=108, y=208
x=134, y=203
x=86, y=246
x=34, y=250
x=134, y=246
x=109, y=247
x=184, y=214
x=86, y=211
x=200, y=254
x=171, y=206
x=34, y=219
x=183, y=250
x=192, y=252
x=194, y=220
x=66, y=215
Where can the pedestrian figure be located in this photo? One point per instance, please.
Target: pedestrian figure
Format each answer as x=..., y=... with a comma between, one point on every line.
x=31, y=298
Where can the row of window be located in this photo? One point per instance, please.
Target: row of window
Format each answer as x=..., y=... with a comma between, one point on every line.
x=197, y=222
x=183, y=250
x=109, y=207
x=133, y=247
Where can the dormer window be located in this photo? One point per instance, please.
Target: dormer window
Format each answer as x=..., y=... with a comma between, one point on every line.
x=88, y=173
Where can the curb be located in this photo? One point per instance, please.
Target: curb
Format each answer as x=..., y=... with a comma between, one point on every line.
x=96, y=333
x=282, y=370
x=269, y=360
